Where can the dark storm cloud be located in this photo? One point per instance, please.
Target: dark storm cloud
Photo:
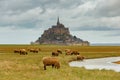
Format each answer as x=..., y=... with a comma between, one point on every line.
x=30, y=12
x=24, y=5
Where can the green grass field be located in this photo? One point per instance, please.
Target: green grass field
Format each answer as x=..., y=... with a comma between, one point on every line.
x=14, y=66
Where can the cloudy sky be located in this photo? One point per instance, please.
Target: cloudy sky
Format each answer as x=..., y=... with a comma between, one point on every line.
x=23, y=21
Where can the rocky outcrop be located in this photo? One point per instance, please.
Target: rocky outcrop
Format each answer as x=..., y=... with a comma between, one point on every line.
x=59, y=34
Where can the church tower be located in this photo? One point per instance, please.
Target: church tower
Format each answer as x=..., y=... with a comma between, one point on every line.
x=58, y=22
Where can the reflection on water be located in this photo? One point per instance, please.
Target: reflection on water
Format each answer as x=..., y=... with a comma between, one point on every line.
x=100, y=63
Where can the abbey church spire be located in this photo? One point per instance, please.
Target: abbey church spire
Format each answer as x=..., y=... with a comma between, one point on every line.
x=58, y=22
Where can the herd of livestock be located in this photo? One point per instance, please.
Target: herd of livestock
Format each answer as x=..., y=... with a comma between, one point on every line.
x=53, y=60
x=25, y=51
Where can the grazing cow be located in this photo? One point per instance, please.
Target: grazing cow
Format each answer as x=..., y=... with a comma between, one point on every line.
x=23, y=52
x=75, y=53
x=80, y=57
x=51, y=61
x=55, y=53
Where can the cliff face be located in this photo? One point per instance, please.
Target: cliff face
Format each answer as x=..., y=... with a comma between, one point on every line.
x=58, y=34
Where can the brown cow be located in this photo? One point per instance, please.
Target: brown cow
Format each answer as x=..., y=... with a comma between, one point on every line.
x=51, y=61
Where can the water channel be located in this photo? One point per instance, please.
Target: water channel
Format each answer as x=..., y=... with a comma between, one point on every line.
x=99, y=63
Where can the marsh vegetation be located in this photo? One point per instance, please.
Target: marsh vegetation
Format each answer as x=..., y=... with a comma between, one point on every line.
x=14, y=66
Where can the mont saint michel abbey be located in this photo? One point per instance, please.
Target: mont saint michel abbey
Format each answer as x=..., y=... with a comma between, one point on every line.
x=59, y=34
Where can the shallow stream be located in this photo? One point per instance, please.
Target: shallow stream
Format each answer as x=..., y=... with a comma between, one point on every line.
x=99, y=63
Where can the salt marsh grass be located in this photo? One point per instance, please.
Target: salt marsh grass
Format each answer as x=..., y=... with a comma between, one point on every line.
x=14, y=66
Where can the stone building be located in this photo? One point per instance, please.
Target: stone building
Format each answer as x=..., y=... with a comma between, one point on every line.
x=59, y=34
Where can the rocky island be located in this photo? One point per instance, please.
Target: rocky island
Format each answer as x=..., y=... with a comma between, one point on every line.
x=59, y=34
